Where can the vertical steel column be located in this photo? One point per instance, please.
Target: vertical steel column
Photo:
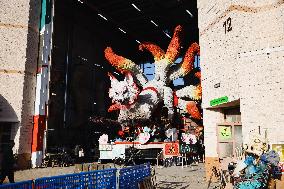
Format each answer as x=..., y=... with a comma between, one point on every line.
x=68, y=61
x=42, y=83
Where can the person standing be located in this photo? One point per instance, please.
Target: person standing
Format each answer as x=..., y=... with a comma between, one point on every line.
x=77, y=149
x=7, y=164
x=81, y=155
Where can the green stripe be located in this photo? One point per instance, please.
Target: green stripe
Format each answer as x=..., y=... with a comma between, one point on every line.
x=45, y=17
x=43, y=13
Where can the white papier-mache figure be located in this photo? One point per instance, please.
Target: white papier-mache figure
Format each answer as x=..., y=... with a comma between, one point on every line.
x=137, y=98
x=257, y=169
x=256, y=146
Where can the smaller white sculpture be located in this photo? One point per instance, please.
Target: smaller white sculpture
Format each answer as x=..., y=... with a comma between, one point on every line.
x=103, y=139
x=188, y=138
x=172, y=134
x=256, y=146
x=143, y=137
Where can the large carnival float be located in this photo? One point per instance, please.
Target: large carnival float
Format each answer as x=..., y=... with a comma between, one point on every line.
x=137, y=99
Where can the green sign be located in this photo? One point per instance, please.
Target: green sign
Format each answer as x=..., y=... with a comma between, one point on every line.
x=225, y=132
x=184, y=148
x=218, y=101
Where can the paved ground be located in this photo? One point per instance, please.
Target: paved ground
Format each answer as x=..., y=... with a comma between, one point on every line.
x=175, y=177
x=42, y=172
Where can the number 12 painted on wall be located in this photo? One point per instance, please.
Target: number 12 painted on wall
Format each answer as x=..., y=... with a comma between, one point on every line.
x=227, y=25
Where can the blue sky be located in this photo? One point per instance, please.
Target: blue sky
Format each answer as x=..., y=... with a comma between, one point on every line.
x=149, y=69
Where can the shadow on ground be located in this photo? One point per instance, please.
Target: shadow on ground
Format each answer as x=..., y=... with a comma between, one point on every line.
x=173, y=185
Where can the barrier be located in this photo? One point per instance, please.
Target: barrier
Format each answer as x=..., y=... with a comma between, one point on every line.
x=125, y=178
x=94, y=179
x=19, y=185
x=130, y=177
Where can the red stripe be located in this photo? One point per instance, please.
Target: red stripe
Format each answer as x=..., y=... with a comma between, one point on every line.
x=151, y=88
x=38, y=132
x=175, y=102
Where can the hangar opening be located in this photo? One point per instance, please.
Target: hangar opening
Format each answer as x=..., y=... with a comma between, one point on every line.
x=79, y=81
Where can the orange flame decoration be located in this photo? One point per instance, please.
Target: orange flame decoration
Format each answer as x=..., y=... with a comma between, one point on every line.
x=193, y=110
x=156, y=51
x=121, y=63
x=175, y=45
x=187, y=63
x=199, y=91
x=114, y=107
x=199, y=88
x=198, y=75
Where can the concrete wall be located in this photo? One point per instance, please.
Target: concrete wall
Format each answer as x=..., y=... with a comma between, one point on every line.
x=247, y=62
x=18, y=62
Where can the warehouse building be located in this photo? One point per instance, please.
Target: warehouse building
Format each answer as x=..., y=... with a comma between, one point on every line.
x=53, y=74
x=242, y=56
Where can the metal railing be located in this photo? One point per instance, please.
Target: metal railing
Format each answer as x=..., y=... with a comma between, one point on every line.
x=93, y=179
x=129, y=177
x=124, y=178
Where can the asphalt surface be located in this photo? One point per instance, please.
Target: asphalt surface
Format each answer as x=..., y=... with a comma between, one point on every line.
x=175, y=177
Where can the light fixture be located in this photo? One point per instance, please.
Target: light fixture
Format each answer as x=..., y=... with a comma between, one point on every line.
x=137, y=41
x=97, y=65
x=188, y=12
x=135, y=7
x=154, y=23
x=102, y=16
x=80, y=1
x=167, y=34
x=116, y=73
x=122, y=30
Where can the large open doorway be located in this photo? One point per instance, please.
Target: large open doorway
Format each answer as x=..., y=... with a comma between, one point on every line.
x=82, y=30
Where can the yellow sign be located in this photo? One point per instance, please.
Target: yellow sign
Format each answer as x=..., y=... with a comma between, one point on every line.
x=279, y=149
x=225, y=132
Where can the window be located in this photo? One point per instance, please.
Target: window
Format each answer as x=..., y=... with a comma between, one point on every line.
x=197, y=62
x=229, y=138
x=149, y=70
x=232, y=115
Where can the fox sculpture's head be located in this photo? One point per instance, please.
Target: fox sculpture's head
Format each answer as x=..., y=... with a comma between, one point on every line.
x=123, y=92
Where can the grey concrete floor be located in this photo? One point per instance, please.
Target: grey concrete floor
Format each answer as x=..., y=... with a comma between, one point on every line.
x=175, y=177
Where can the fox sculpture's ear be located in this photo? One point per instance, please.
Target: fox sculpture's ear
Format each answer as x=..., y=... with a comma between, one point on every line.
x=128, y=78
x=113, y=80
